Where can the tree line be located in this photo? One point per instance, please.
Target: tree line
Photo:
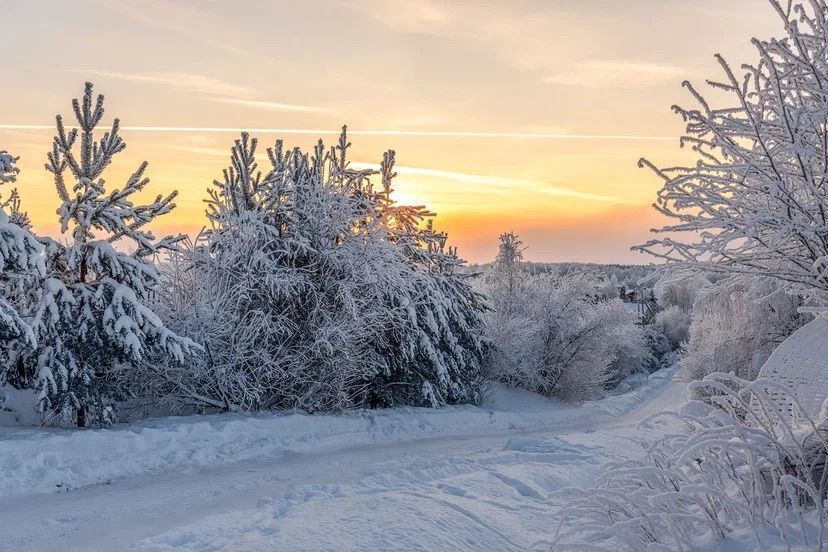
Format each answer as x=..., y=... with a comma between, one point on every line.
x=310, y=288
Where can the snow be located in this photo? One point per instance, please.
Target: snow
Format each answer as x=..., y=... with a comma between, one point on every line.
x=17, y=407
x=42, y=461
x=799, y=363
x=459, y=478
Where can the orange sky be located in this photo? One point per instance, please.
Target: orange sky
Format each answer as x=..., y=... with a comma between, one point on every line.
x=591, y=81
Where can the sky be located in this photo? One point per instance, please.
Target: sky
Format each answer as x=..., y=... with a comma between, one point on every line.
x=522, y=115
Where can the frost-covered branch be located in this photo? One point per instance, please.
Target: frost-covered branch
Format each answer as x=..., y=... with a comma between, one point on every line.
x=755, y=202
x=732, y=468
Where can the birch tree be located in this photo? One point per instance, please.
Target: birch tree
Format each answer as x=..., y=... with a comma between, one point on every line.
x=756, y=200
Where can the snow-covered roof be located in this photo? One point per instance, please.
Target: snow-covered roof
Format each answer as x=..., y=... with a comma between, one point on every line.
x=801, y=363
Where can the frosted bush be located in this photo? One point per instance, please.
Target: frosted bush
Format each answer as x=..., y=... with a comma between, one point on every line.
x=728, y=471
x=674, y=323
x=737, y=323
x=553, y=336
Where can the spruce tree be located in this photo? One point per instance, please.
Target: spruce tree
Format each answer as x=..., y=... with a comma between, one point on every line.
x=508, y=270
x=21, y=267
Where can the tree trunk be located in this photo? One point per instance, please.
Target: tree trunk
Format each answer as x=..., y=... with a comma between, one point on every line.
x=81, y=419
x=81, y=415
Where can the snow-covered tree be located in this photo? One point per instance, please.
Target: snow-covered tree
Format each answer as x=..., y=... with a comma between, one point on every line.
x=507, y=271
x=314, y=290
x=610, y=288
x=756, y=200
x=737, y=323
x=635, y=350
x=436, y=349
x=678, y=289
x=556, y=334
x=283, y=285
x=21, y=267
x=674, y=322
x=92, y=322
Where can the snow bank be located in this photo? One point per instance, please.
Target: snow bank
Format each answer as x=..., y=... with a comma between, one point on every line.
x=43, y=461
x=17, y=407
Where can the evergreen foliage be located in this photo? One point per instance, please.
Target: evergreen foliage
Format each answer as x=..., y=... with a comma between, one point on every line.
x=93, y=326
x=314, y=289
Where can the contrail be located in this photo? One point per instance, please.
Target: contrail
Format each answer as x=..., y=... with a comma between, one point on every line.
x=415, y=133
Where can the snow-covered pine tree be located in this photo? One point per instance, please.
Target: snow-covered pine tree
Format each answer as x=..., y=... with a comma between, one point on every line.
x=227, y=291
x=290, y=277
x=507, y=269
x=21, y=266
x=434, y=354
x=755, y=202
x=506, y=277
x=93, y=325
x=316, y=291
x=458, y=337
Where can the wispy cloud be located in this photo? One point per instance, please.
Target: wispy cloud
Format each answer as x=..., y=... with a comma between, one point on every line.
x=272, y=106
x=183, y=81
x=520, y=33
x=416, y=16
x=167, y=16
x=499, y=183
x=618, y=74
x=210, y=88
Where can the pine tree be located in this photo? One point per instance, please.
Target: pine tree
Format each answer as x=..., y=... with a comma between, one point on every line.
x=316, y=291
x=21, y=266
x=93, y=325
x=289, y=286
x=435, y=351
x=508, y=266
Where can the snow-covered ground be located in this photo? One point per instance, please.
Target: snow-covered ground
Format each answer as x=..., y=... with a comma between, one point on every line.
x=459, y=478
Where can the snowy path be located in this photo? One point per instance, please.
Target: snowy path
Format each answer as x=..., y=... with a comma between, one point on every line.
x=479, y=491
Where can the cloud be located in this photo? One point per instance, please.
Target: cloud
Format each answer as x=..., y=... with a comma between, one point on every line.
x=272, y=106
x=618, y=74
x=183, y=81
x=413, y=16
x=143, y=11
x=213, y=89
x=524, y=35
x=500, y=184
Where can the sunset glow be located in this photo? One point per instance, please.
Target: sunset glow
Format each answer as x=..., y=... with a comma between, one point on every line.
x=526, y=116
